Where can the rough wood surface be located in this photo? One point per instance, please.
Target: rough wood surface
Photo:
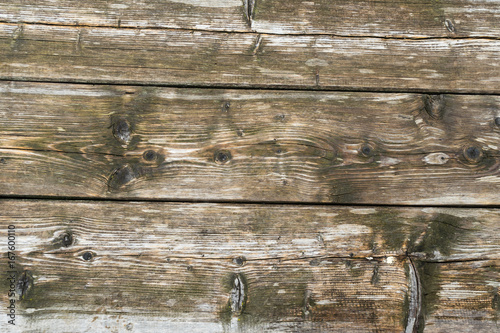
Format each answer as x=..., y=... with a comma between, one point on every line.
x=181, y=57
x=422, y=18
x=399, y=18
x=201, y=144
x=158, y=266
x=461, y=296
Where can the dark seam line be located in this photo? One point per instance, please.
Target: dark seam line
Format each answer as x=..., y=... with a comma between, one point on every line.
x=235, y=202
x=244, y=32
x=253, y=87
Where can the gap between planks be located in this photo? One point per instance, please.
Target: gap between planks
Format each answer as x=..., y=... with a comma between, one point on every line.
x=238, y=202
x=250, y=32
x=218, y=86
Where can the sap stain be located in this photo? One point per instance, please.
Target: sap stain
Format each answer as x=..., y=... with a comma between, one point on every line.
x=442, y=233
x=429, y=281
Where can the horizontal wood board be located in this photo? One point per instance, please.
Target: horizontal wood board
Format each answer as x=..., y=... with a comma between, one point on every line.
x=222, y=59
x=173, y=266
x=83, y=115
x=261, y=146
x=421, y=18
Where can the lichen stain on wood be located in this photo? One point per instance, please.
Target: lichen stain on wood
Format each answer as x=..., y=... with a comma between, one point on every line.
x=357, y=264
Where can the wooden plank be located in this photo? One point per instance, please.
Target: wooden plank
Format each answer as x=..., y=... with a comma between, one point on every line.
x=174, y=57
x=461, y=296
x=223, y=15
x=173, y=266
x=200, y=144
x=384, y=18
x=421, y=18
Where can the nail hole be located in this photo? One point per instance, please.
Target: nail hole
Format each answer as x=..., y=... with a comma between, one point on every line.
x=87, y=256
x=2, y=160
x=225, y=106
x=222, y=156
x=497, y=121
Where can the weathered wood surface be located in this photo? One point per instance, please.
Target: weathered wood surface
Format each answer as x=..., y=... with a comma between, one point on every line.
x=201, y=144
x=196, y=58
x=461, y=296
x=422, y=18
x=158, y=266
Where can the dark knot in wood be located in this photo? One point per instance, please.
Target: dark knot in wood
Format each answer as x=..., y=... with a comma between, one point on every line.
x=497, y=121
x=150, y=155
x=366, y=150
x=121, y=130
x=222, y=156
x=87, y=256
x=434, y=105
x=120, y=177
x=240, y=261
x=67, y=239
x=473, y=154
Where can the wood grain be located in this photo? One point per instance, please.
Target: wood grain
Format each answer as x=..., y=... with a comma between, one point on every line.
x=386, y=18
x=171, y=266
x=223, y=15
x=195, y=58
x=421, y=18
x=201, y=144
x=461, y=296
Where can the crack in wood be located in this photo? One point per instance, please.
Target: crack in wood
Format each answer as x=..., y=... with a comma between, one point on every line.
x=235, y=31
x=249, y=7
x=415, y=305
x=257, y=44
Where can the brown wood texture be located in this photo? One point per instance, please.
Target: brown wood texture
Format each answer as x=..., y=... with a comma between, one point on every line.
x=156, y=266
x=197, y=58
x=422, y=18
x=248, y=116
x=281, y=146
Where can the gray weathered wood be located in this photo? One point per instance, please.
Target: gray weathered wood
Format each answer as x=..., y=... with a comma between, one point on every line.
x=385, y=18
x=461, y=296
x=422, y=18
x=223, y=15
x=200, y=144
x=159, y=266
x=178, y=57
